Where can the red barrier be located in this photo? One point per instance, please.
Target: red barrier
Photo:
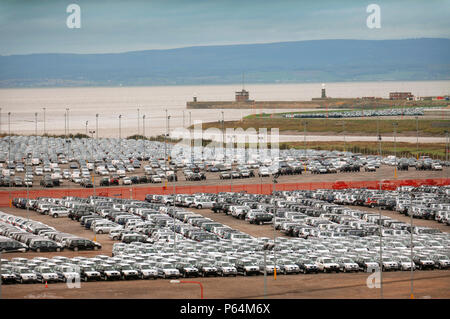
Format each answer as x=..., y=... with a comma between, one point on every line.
x=140, y=192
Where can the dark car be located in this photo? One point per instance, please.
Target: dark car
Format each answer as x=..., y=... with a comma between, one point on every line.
x=82, y=244
x=10, y=245
x=307, y=266
x=7, y=276
x=108, y=272
x=186, y=270
x=39, y=245
x=143, y=179
x=104, y=181
x=88, y=273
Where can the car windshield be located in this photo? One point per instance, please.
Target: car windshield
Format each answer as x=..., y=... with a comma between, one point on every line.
x=347, y=260
x=88, y=269
x=67, y=269
x=45, y=270
x=327, y=260
x=25, y=271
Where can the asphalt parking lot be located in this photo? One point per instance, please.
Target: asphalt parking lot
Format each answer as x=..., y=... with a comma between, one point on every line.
x=427, y=284
x=384, y=172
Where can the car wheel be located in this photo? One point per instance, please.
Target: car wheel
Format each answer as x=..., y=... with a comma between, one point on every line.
x=55, y=215
x=345, y=269
x=38, y=250
x=245, y=273
x=164, y=276
x=75, y=248
x=58, y=249
x=21, y=280
x=100, y=232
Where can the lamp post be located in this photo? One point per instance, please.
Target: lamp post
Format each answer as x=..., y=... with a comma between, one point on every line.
x=45, y=132
x=68, y=130
x=87, y=127
x=381, y=246
x=274, y=236
x=304, y=135
x=417, y=135
x=93, y=173
x=138, y=119
x=266, y=247
x=143, y=132
x=343, y=130
x=165, y=139
x=223, y=139
x=412, y=253
x=9, y=152
x=120, y=132
x=96, y=127
x=395, y=148
x=35, y=123
x=0, y=119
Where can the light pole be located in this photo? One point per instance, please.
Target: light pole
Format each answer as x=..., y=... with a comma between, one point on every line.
x=143, y=132
x=223, y=139
x=120, y=132
x=274, y=236
x=68, y=130
x=96, y=127
x=35, y=123
x=165, y=139
x=9, y=152
x=0, y=119
x=93, y=173
x=381, y=246
x=45, y=132
x=87, y=127
x=138, y=119
x=417, y=135
x=65, y=124
x=343, y=130
x=266, y=247
x=304, y=135
x=395, y=148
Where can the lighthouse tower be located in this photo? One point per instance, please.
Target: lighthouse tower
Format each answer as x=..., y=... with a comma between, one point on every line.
x=324, y=94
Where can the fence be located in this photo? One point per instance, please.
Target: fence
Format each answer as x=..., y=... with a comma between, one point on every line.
x=139, y=192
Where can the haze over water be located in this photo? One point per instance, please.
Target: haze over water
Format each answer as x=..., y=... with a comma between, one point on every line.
x=109, y=103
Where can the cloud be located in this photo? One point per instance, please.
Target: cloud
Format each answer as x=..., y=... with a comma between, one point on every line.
x=118, y=26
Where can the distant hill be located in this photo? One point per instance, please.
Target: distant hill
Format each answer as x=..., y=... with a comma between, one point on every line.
x=284, y=62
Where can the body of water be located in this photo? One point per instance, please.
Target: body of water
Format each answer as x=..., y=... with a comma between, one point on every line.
x=110, y=102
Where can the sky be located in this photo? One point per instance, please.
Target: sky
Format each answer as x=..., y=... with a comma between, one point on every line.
x=39, y=26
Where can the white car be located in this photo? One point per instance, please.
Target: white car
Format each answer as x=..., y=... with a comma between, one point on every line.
x=127, y=181
x=56, y=212
x=326, y=264
x=106, y=227
x=263, y=172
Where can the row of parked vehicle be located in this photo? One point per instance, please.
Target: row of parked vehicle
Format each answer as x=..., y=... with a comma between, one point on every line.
x=417, y=111
x=18, y=234
x=115, y=161
x=425, y=202
x=231, y=252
